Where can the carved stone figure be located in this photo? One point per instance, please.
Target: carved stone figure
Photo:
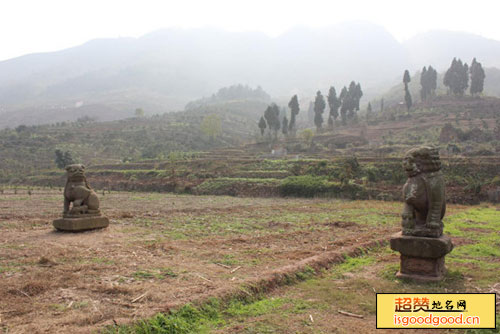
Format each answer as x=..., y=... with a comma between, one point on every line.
x=421, y=242
x=423, y=193
x=84, y=213
x=78, y=192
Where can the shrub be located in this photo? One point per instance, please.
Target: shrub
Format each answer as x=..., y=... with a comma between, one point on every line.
x=474, y=185
x=496, y=180
x=372, y=173
x=320, y=168
x=303, y=186
x=310, y=186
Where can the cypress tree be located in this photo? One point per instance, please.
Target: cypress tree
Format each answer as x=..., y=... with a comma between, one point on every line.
x=406, y=77
x=344, y=107
x=262, y=125
x=330, y=122
x=477, y=76
x=369, y=111
x=294, y=107
x=284, y=126
x=432, y=75
x=408, y=100
x=448, y=76
x=424, y=83
x=358, y=95
x=277, y=121
x=319, y=108
x=310, y=113
x=464, y=79
x=351, y=98
x=271, y=115
x=333, y=102
x=456, y=77
x=406, y=80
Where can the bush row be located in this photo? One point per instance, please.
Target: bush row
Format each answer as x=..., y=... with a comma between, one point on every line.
x=311, y=186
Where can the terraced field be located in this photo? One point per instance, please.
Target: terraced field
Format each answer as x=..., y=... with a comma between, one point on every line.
x=235, y=172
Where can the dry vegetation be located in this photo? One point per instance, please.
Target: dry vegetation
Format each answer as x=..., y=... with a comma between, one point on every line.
x=163, y=251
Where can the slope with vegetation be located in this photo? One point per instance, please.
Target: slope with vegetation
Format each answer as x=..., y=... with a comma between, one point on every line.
x=200, y=150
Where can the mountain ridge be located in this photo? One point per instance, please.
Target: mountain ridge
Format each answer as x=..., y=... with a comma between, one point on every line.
x=163, y=70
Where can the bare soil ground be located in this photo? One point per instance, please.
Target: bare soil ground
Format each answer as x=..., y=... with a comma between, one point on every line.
x=160, y=250
x=313, y=306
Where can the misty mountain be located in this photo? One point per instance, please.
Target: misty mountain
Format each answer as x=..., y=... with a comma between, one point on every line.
x=162, y=71
x=439, y=47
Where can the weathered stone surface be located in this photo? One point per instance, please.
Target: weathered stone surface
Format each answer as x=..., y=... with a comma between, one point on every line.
x=79, y=192
x=435, y=277
x=421, y=242
x=422, y=258
x=421, y=247
x=80, y=224
x=422, y=269
x=423, y=193
x=84, y=214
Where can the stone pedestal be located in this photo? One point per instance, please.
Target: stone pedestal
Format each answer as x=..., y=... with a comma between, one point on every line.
x=80, y=224
x=422, y=258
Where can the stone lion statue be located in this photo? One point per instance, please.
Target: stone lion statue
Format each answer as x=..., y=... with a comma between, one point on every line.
x=423, y=193
x=78, y=192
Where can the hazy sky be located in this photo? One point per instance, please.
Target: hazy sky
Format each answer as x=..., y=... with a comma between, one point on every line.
x=28, y=26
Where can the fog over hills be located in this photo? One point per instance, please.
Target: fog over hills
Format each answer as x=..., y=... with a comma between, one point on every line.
x=439, y=47
x=163, y=70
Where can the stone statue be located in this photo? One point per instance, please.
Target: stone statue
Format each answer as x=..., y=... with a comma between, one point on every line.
x=78, y=192
x=423, y=193
x=421, y=243
x=84, y=213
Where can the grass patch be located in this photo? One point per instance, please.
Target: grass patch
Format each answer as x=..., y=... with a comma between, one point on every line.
x=352, y=264
x=479, y=249
x=476, y=260
x=240, y=309
x=459, y=225
x=201, y=319
x=214, y=314
x=227, y=259
x=160, y=273
x=186, y=320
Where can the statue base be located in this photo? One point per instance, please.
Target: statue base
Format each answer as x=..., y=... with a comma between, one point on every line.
x=80, y=224
x=422, y=258
x=89, y=213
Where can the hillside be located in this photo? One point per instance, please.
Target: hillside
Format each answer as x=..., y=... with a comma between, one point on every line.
x=395, y=94
x=108, y=79
x=27, y=150
x=360, y=160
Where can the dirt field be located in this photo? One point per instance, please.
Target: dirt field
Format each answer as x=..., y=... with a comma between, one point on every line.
x=160, y=250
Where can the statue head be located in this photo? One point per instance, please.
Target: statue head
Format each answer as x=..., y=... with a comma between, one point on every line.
x=423, y=159
x=75, y=171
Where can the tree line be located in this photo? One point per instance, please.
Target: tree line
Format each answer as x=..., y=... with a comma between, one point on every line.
x=456, y=79
x=347, y=102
